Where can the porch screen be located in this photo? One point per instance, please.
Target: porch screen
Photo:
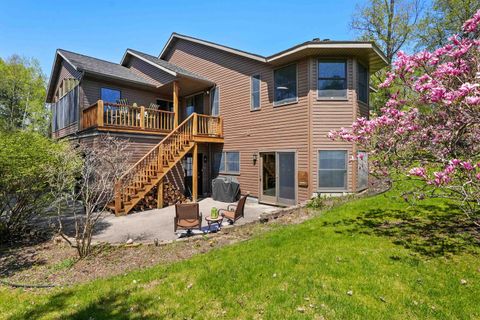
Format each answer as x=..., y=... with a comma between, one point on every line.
x=66, y=110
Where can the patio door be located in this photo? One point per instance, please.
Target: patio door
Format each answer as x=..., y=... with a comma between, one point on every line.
x=278, y=177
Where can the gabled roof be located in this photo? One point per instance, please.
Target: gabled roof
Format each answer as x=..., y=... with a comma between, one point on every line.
x=93, y=66
x=176, y=36
x=365, y=50
x=162, y=65
x=97, y=66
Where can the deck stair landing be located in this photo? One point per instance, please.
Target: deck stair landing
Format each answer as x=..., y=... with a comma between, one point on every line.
x=152, y=168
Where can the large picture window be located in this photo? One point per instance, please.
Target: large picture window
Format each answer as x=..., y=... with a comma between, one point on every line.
x=110, y=95
x=227, y=162
x=332, y=169
x=332, y=79
x=285, y=80
x=255, y=92
x=362, y=84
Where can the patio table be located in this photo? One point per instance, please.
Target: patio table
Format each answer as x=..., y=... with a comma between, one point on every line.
x=211, y=221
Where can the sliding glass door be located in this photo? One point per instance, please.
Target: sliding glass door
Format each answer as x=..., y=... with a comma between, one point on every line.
x=278, y=181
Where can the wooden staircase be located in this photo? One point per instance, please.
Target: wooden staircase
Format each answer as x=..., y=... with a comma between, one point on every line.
x=152, y=168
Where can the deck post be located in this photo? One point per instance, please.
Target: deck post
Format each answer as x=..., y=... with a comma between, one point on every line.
x=175, y=103
x=195, y=124
x=142, y=117
x=195, y=173
x=100, y=113
x=160, y=194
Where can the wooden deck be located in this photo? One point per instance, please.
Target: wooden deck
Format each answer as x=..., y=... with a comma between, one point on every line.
x=104, y=116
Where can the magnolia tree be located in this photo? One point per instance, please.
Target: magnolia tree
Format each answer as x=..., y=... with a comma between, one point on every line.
x=430, y=131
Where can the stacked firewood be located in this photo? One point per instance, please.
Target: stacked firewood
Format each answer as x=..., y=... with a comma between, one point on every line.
x=171, y=196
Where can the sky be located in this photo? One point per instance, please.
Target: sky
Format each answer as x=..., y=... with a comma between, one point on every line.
x=105, y=29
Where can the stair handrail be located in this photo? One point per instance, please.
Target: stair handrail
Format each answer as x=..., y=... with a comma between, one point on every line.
x=157, y=145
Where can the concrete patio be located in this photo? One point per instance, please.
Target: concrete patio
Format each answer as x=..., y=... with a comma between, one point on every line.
x=158, y=223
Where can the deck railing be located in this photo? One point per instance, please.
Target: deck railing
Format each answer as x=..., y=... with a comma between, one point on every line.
x=208, y=125
x=105, y=114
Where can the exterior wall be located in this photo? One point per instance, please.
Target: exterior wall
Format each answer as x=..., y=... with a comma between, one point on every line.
x=331, y=115
x=90, y=93
x=149, y=72
x=268, y=129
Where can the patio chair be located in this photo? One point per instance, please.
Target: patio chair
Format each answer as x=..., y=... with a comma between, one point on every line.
x=187, y=217
x=234, y=212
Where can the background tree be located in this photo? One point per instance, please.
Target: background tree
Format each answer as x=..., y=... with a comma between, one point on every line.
x=392, y=25
x=22, y=95
x=443, y=19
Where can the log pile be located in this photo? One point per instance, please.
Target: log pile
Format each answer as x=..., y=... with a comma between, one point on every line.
x=171, y=196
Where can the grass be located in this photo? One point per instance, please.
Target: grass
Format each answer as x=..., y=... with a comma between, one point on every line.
x=373, y=258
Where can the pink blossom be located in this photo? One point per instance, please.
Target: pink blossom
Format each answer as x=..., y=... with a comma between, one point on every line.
x=418, y=172
x=466, y=165
x=471, y=24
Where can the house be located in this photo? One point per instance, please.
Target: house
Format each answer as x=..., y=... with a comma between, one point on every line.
x=201, y=109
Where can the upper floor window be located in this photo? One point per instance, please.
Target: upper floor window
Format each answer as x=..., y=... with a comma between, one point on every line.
x=362, y=84
x=215, y=102
x=332, y=79
x=110, y=95
x=285, y=81
x=255, y=92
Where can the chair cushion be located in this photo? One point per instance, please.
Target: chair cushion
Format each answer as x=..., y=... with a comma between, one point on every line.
x=188, y=223
x=229, y=214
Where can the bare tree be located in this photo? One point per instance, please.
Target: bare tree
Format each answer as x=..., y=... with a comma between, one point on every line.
x=390, y=23
x=103, y=163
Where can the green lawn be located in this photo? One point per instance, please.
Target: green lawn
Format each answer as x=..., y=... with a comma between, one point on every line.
x=374, y=258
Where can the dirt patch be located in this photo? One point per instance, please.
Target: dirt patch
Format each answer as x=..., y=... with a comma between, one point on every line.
x=56, y=264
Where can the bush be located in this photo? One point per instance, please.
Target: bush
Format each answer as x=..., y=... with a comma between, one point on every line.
x=317, y=202
x=27, y=160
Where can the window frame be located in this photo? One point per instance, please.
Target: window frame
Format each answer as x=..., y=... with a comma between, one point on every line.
x=367, y=84
x=278, y=103
x=166, y=100
x=225, y=171
x=259, y=92
x=347, y=171
x=320, y=98
x=110, y=88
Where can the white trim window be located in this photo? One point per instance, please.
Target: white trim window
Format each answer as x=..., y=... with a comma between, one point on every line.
x=285, y=85
x=332, y=80
x=227, y=162
x=332, y=170
x=255, y=92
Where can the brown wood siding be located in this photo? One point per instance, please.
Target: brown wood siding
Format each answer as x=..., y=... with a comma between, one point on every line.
x=271, y=128
x=327, y=116
x=149, y=72
x=90, y=93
